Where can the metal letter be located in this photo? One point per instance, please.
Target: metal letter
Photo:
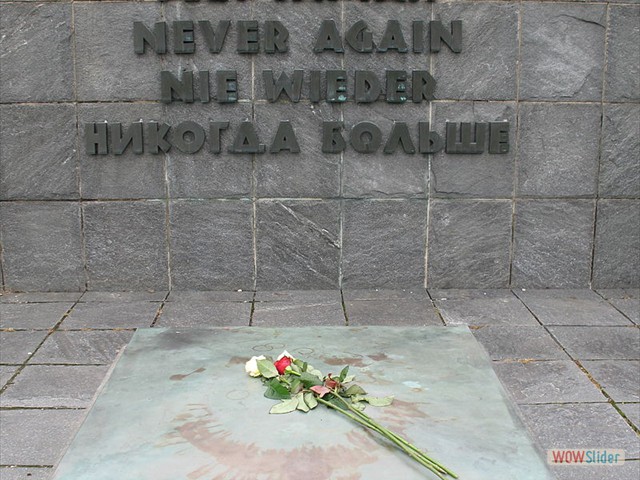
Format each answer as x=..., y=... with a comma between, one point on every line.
x=156, y=39
x=336, y=86
x=214, y=38
x=226, y=86
x=499, y=137
x=332, y=140
x=328, y=38
x=291, y=87
x=183, y=88
x=247, y=140
x=214, y=135
x=203, y=80
x=359, y=37
x=248, y=36
x=276, y=37
x=452, y=38
x=429, y=142
x=95, y=138
x=314, y=86
x=120, y=142
x=393, y=38
x=422, y=85
x=396, y=86
x=156, y=133
x=365, y=137
x=196, y=134
x=285, y=139
x=465, y=145
x=367, y=88
x=418, y=36
x=183, y=41
x=399, y=135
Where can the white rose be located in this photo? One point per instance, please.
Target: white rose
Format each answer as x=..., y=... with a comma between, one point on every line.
x=285, y=354
x=251, y=367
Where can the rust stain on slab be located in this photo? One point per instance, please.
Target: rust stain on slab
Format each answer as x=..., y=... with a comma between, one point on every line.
x=182, y=376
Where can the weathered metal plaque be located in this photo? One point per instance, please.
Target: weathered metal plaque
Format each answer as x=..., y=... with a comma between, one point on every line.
x=179, y=405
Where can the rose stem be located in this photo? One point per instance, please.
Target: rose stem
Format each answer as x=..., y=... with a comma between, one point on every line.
x=419, y=457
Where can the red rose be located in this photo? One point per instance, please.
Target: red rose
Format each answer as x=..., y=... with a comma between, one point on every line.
x=282, y=364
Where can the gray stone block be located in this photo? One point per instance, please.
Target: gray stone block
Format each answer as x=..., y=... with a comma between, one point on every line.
x=26, y=473
x=630, y=307
x=124, y=297
x=619, y=166
x=18, y=346
x=558, y=66
x=619, y=293
x=599, y=343
x=553, y=241
x=382, y=174
x=126, y=246
x=622, y=80
x=416, y=294
x=310, y=173
x=6, y=372
x=571, y=307
x=384, y=243
x=547, y=382
x=617, y=244
x=39, y=297
x=101, y=315
x=205, y=174
x=126, y=176
x=54, y=386
x=469, y=243
x=580, y=426
x=37, y=437
x=202, y=59
x=42, y=246
x=32, y=316
x=303, y=23
x=37, y=63
x=37, y=162
x=518, y=343
x=211, y=245
x=284, y=314
x=558, y=156
x=306, y=297
x=107, y=68
x=82, y=348
x=210, y=296
x=392, y=312
x=486, y=67
x=297, y=244
x=484, y=175
x=204, y=314
x=499, y=307
x=632, y=412
x=619, y=378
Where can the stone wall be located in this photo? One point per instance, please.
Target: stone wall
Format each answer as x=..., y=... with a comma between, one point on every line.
x=561, y=209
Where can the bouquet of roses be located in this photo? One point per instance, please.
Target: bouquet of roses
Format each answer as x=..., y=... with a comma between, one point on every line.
x=299, y=386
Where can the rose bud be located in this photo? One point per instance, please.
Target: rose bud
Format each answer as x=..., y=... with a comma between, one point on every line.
x=282, y=364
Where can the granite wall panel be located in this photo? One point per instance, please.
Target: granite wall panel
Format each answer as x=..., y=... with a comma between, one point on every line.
x=559, y=209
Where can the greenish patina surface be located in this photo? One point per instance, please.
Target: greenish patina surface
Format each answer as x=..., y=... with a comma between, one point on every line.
x=179, y=405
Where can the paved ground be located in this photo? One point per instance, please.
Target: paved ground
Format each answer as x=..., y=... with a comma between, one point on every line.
x=569, y=358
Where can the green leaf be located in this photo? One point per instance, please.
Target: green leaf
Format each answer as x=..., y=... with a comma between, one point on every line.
x=267, y=369
x=354, y=390
x=315, y=372
x=286, y=406
x=302, y=405
x=277, y=390
x=349, y=378
x=309, y=380
x=379, y=401
x=296, y=386
x=310, y=400
x=343, y=373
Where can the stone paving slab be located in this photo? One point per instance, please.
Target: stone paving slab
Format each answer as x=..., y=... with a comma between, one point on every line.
x=384, y=294
x=36, y=437
x=518, y=342
x=599, y=343
x=555, y=381
x=26, y=473
x=210, y=296
x=204, y=314
x=626, y=471
x=123, y=297
x=571, y=307
x=109, y=315
x=632, y=411
x=54, y=386
x=620, y=379
x=299, y=296
x=482, y=307
x=39, y=297
x=198, y=424
x=30, y=316
x=6, y=372
x=18, y=346
x=269, y=314
x=397, y=312
x=84, y=347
